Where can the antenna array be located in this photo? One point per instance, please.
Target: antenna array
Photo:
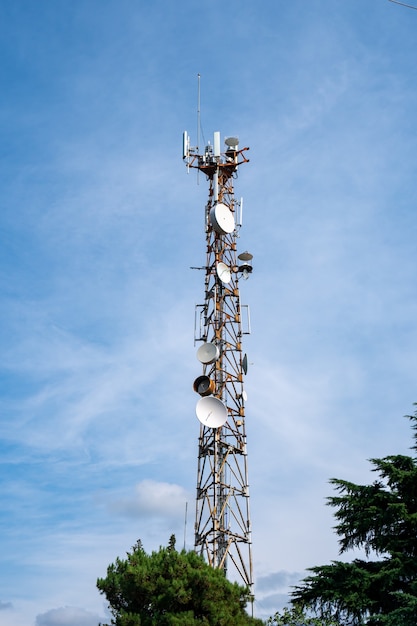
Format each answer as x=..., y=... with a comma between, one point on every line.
x=222, y=525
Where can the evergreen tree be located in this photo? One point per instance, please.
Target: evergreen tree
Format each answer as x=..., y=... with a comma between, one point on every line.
x=381, y=519
x=170, y=588
x=297, y=616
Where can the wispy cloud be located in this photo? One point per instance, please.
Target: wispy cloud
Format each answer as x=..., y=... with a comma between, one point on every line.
x=277, y=580
x=67, y=616
x=153, y=499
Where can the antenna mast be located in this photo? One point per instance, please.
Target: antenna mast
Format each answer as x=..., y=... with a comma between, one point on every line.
x=198, y=112
x=222, y=525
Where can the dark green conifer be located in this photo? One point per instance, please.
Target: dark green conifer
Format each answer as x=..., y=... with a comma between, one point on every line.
x=170, y=588
x=381, y=520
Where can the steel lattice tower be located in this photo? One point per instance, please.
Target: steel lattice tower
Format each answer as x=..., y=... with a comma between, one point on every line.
x=222, y=525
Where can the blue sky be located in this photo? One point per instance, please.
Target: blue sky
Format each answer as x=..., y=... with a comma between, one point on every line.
x=100, y=224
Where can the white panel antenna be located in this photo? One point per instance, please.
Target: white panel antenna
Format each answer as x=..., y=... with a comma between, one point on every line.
x=215, y=186
x=185, y=145
x=240, y=220
x=216, y=144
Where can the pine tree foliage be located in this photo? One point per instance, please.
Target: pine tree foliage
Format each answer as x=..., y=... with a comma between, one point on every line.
x=170, y=588
x=380, y=519
x=297, y=616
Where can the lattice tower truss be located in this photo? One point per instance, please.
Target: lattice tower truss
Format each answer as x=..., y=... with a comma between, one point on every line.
x=222, y=526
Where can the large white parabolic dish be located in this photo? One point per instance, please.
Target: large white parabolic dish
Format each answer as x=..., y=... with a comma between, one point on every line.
x=223, y=272
x=211, y=412
x=208, y=353
x=222, y=219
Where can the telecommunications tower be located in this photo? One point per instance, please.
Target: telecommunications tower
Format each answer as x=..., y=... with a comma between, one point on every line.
x=222, y=525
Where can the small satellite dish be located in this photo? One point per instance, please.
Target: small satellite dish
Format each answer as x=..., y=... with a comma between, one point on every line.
x=223, y=272
x=242, y=395
x=222, y=219
x=232, y=142
x=245, y=256
x=204, y=385
x=245, y=364
x=246, y=266
x=208, y=353
x=211, y=412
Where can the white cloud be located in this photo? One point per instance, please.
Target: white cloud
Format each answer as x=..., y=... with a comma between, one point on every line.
x=277, y=580
x=154, y=499
x=67, y=616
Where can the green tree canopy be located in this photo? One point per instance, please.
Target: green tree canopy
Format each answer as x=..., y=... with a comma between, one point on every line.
x=297, y=616
x=381, y=519
x=170, y=588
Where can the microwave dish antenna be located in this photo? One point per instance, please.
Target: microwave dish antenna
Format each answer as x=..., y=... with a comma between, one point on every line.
x=232, y=142
x=211, y=412
x=208, y=353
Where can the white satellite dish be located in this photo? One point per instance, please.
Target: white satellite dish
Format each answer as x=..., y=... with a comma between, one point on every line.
x=211, y=412
x=223, y=272
x=208, y=353
x=222, y=219
x=232, y=142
